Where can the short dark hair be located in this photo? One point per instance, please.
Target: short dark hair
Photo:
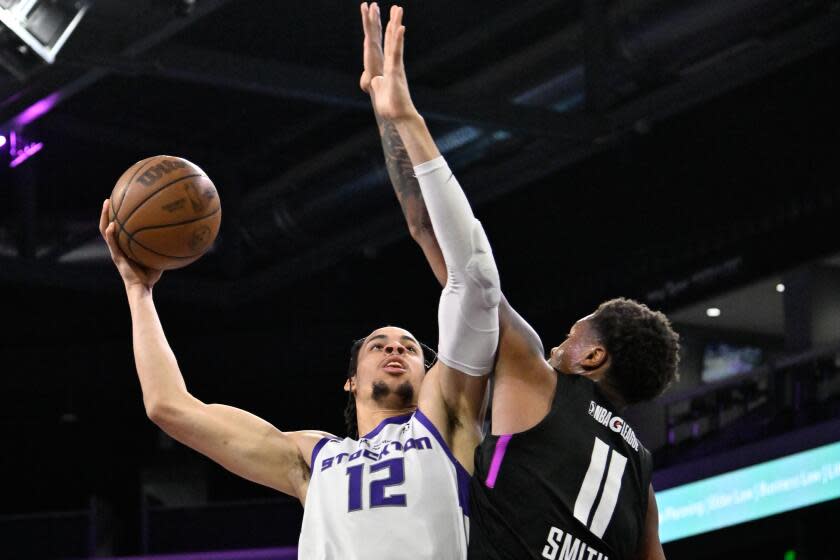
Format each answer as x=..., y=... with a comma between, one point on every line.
x=350, y=420
x=642, y=345
x=350, y=409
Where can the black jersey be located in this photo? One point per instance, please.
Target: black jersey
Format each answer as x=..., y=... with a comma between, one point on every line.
x=573, y=487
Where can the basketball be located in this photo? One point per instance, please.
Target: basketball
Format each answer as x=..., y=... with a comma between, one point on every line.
x=167, y=212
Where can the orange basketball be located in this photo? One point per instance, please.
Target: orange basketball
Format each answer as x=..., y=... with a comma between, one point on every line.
x=167, y=212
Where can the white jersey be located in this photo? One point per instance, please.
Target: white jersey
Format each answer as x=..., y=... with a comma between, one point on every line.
x=398, y=492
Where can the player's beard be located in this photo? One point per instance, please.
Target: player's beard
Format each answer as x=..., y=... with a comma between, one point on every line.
x=404, y=392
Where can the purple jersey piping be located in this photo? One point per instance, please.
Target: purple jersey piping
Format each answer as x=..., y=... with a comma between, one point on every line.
x=392, y=420
x=496, y=463
x=321, y=443
x=463, y=475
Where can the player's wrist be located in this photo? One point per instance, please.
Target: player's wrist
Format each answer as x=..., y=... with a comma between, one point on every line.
x=410, y=121
x=137, y=290
x=417, y=139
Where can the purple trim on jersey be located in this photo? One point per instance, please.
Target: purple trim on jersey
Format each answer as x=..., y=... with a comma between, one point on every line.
x=392, y=420
x=463, y=475
x=496, y=463
x=321, y=443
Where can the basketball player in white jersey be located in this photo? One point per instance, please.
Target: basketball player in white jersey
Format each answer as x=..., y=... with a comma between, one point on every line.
x=401, y=489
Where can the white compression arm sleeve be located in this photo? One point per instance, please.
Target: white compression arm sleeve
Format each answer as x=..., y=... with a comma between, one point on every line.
x=468, y=316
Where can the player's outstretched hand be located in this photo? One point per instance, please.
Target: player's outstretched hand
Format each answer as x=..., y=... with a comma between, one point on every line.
x=374, y=58
x=132, y=273
x=390, y=91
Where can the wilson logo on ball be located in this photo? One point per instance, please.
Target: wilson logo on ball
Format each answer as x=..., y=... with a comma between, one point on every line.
x=154, y=173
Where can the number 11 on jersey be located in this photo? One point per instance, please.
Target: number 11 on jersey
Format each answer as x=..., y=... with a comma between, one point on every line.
x=601, y=454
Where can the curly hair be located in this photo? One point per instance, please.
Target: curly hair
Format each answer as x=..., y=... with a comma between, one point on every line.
x=350, y=421
x=643, y=348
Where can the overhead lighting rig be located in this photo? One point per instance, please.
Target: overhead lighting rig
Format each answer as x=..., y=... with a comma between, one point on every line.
x=34, y=31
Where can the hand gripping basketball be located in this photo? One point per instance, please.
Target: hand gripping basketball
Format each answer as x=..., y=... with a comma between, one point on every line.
x=132, y=273
x=166, y=212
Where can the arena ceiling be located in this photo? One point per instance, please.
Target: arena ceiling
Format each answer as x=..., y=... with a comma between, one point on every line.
x=263, y=95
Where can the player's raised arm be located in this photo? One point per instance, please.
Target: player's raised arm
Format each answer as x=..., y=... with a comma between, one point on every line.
x=472, y=279
x=239, y=441
x=517, y=338
x=468, y=317
x=400, y=170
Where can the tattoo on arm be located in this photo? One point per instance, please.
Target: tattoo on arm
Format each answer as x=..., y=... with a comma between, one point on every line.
x=402, y=177
x=410, y=197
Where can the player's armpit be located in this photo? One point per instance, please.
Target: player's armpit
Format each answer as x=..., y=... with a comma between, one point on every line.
x=456, y=404
x=241, y=442
x=650, y=547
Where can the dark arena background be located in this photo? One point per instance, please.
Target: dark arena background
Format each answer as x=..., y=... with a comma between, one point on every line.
x=682, y=153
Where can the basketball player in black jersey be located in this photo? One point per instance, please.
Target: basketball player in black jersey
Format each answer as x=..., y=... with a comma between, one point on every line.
x=562, y=476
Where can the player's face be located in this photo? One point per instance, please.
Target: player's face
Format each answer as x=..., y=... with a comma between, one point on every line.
x=566, y=357
x=389, y=358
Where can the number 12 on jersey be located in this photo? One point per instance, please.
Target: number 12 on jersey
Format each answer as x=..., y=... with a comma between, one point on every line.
x=601, y=453
x=395, y=477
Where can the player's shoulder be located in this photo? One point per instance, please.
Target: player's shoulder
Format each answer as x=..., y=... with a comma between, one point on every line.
x=308, y=438
x=312, y=435
x=309, y=442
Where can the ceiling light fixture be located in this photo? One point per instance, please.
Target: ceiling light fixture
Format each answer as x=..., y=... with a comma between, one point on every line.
x=38, y=30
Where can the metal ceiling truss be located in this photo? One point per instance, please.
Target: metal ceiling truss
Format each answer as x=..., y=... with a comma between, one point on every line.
x=578, y=137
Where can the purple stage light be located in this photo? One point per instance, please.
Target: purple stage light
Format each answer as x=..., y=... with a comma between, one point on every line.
x=37, y=110
x=27, y=152
x=2, y=140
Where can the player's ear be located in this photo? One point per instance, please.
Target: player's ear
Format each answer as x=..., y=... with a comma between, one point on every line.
x=350, y=384
x=595, y=358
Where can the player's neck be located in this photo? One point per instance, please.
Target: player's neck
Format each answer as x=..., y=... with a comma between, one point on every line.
x=599, y=376
x=369, y=419
x=612, y=394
